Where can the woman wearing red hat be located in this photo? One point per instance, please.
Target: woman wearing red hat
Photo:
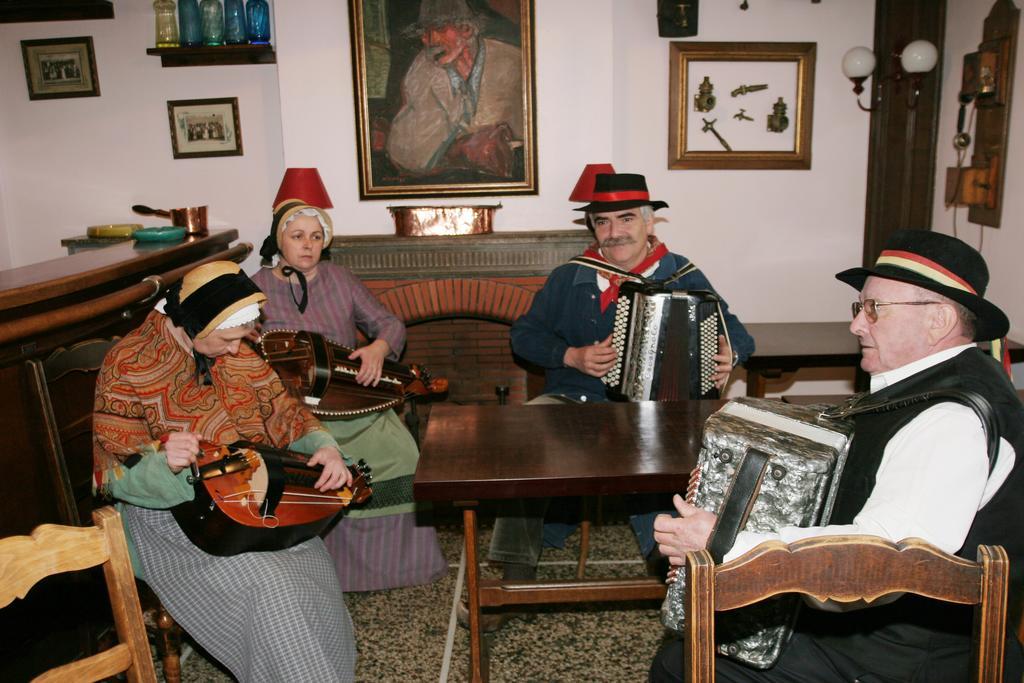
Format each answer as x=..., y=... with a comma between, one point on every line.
x=380, y=545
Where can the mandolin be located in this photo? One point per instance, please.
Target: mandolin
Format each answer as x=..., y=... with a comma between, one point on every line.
x=319, y=371
x=251, y=497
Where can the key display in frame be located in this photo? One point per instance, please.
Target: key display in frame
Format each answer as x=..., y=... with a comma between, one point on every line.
x=740, y=105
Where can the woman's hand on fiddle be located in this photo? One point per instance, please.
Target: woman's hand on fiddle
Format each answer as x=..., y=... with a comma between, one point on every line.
x=676, y=536
x=336, y=474
x=181, y=449
x=372, y=362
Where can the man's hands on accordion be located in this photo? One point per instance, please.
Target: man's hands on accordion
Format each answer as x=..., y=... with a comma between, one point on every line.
x=723, y=363
x=676, y=536
x=595, y=360
x=598, y=358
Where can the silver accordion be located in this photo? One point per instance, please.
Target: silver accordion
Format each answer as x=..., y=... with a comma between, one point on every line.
x=797, y=486
x=665, y=340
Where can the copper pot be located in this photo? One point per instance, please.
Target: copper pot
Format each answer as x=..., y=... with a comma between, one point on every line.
x=419, y=221
x=192, y=218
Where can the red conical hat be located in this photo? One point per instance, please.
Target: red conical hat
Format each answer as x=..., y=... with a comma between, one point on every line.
x=305, y=185
x=584, y=190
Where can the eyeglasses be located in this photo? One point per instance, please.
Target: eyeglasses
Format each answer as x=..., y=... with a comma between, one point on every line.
x=870, y=307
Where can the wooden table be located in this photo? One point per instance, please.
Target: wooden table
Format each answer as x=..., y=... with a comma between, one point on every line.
x=473, y=453
x=787, y=347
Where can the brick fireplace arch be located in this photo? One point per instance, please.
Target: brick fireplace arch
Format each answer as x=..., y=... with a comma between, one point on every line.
x=420, y=302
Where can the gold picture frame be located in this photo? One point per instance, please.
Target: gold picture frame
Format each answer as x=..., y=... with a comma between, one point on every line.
x=434, y=119
x=205, y=128
x=60, y=67
x=746, y=84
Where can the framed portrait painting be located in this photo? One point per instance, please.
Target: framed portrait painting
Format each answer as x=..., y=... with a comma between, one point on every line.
x=444, y=97
x=740, y=105
x=60, y=67
x=205, y=128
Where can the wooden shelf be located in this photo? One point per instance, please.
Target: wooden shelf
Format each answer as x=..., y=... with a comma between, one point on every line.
x=214, y=56
x=12, y=11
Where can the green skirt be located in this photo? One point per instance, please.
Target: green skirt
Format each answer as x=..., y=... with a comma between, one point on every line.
x=384, y=442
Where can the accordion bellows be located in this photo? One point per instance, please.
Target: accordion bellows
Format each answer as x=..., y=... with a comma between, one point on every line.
x=806, y=456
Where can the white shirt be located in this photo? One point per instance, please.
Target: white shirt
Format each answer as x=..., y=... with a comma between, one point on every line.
x=931, y=481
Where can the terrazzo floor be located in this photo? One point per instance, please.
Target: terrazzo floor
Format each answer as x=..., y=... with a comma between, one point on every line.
x=410, y=634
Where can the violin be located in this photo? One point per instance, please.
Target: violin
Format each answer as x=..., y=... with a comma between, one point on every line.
x=319, y=371
x=252, y=497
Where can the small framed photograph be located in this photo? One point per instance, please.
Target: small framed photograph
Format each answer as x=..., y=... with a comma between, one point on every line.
x=60, y=67
x=205, y=128
x=741, y=105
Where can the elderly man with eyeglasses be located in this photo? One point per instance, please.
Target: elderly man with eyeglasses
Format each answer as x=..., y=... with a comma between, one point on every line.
x=922, y=470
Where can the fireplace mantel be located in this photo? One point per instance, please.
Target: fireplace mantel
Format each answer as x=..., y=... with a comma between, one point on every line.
x=500, y=254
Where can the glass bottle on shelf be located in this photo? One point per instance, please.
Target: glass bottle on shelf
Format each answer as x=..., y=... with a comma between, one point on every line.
x=235, y=30
x=191, y=33
x=257, y=12
x=211, y=13
x=166, y=24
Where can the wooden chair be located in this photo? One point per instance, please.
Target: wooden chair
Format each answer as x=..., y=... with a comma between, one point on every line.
x=54, y=549
x=845, y=569
x=66, y=382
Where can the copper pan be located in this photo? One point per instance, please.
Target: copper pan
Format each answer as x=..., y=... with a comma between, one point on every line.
x=420, y=221
x=192, y=218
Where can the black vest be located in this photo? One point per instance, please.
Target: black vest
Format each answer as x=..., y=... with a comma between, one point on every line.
x=905, y=638
x=1001, y=521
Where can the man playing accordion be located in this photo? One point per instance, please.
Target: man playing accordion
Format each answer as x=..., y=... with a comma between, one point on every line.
x=922, y=470
x=568, y=331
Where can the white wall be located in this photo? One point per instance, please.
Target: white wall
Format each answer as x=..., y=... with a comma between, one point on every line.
x=5, y=243
x=1002, y=247
x=69, y=163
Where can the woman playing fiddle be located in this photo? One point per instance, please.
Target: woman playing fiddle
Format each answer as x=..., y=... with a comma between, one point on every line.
x=182, y=376
x=381, y=544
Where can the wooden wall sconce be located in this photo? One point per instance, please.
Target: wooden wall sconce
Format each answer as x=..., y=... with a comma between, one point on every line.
x=987, y=85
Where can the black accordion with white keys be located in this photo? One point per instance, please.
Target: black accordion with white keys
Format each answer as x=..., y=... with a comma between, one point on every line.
x=665, y=340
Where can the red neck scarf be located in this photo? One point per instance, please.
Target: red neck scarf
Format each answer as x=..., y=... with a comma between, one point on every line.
x=655, y=251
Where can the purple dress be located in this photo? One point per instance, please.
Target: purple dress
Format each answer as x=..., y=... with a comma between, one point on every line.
x=379, y=545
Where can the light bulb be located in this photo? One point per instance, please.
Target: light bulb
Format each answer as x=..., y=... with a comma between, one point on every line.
x=919, y=57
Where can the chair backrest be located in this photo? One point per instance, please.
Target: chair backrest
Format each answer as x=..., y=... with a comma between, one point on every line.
x=846, y=569
x=65, y=383
x=54, y=549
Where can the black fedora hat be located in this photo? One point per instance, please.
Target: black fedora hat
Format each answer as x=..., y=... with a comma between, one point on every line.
x=942, y=264
x=617, y=191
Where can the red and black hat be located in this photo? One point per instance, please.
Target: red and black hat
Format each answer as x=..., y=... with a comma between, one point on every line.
x=942, y=264
x=616, y=191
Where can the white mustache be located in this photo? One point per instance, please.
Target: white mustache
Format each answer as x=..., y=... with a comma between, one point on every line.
x=617, y=241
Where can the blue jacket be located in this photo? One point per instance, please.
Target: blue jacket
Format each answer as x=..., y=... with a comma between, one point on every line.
x=567, y=312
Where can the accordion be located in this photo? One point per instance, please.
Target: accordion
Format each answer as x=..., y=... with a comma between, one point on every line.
x=665, y=340
x=794, y=485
